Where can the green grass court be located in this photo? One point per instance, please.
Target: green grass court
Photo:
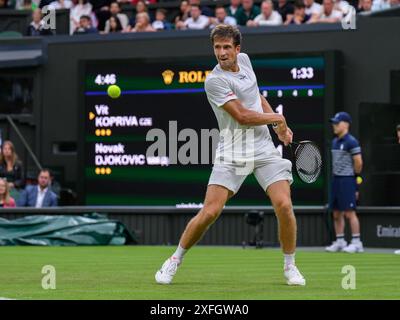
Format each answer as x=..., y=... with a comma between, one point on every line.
x=127, y=272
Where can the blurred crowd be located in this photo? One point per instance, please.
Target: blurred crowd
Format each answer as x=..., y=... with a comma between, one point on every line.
x=106, y=16
x=14, y=189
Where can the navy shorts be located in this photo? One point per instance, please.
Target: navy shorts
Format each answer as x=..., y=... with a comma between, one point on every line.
x=343, y=193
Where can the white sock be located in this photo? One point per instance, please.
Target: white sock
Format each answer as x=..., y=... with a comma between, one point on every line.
x=289, y=259
x=355, y=238
x=340, y=237
x=179, y=253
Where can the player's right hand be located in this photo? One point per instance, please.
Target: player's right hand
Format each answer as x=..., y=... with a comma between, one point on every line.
x=286, y=137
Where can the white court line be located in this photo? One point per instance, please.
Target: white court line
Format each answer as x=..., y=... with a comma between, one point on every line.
x=3, y=298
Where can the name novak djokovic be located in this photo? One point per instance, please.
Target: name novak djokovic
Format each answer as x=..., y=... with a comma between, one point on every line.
x=201, y=309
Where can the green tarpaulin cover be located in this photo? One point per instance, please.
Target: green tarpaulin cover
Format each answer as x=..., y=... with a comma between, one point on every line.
x=64, y=230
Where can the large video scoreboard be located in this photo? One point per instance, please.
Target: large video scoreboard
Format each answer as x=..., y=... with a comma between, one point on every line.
x=167, y=96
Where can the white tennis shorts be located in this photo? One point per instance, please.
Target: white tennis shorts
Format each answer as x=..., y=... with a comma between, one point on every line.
x=268, y=167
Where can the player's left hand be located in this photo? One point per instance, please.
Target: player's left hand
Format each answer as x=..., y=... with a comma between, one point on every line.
x=286, y=137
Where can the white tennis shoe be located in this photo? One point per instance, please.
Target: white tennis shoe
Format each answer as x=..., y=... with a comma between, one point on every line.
x=167, y=271
x=293, y=276
x=336, y=246
x=397, y=252
x=354, y=247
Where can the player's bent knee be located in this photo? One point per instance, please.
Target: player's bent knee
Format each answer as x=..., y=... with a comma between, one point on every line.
x=284, y=206
x=210, y=213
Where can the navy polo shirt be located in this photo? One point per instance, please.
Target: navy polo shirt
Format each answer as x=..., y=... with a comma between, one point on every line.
x=343, y=150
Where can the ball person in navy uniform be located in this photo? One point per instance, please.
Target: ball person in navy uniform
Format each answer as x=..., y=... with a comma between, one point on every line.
x=346, y=166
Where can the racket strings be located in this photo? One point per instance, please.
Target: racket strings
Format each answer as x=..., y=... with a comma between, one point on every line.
x=308, y=162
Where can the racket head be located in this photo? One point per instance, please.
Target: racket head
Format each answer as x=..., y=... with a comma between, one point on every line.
x=307, y=160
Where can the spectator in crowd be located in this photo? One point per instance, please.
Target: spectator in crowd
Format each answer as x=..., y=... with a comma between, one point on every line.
x=300, y=16
x=197, y=21
x=36, y=27
x=81, y=8
x=40, y=195
x=267, y=17
x=313, y=8
x=6, y=201
x=60, y=4
x=366, y=6
x=285, y=9
x=233, y=7
x=329, y=14
x=102, y=10
x=248, y=11
x=346, y=165
x=184, y=12
x=143, y=23
x=221, y=17
x=141, y=7
x=115, y=10
x=205, y=11
x=85, y=26
x=161, y=22
x=113, y=25
x=10, y=167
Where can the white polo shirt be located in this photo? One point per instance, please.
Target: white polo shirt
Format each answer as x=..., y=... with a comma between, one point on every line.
x=200, y=23
x=335, y=14
x=315, y=8
x=222, y=86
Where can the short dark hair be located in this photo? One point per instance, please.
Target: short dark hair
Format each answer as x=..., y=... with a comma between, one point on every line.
x=162, y=10
x=85, y=17
x=46, y=169
x=225, y=31
x=299, y=5
x=219, y=6
x=398, y=127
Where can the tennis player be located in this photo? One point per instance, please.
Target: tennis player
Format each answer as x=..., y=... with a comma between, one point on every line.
x=243, y=115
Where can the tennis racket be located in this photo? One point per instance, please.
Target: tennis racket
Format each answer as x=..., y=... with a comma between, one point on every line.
x=307, y=160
